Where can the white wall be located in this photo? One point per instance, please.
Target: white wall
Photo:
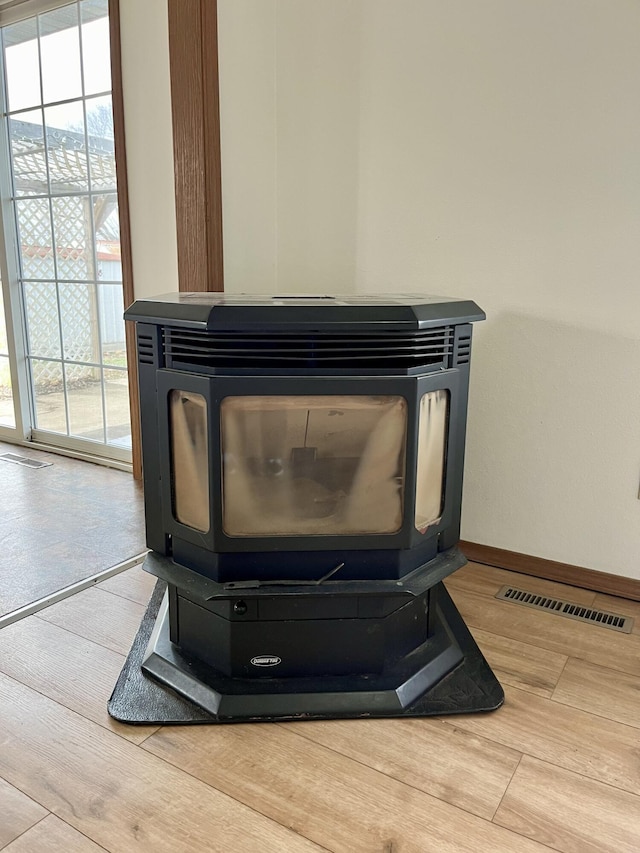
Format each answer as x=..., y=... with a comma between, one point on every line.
x=289, y=88
x=487, y=150
x=246, y=50
x=149, y=144
x=318, y=86
x=500, y=159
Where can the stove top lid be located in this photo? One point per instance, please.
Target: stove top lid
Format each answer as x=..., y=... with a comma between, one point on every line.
x=213, y=311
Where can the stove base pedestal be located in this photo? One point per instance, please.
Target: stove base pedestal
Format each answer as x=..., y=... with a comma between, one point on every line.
x=159, y=684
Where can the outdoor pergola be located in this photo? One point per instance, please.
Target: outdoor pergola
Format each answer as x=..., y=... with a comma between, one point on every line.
x=63, y=162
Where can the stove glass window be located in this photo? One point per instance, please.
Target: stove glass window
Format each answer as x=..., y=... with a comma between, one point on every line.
x=432, y=436
x=190, y=459
x=317, y=465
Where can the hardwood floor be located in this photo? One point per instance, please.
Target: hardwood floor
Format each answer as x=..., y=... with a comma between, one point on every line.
x=557, y=767
x=99, y=524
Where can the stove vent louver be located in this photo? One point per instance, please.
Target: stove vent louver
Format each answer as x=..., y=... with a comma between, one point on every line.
x=146, y=354
x=332, y=350
x=463, y=350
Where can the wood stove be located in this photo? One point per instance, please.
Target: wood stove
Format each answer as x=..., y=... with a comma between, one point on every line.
x=303, y=463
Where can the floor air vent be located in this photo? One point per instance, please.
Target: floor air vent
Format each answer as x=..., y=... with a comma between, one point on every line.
x=614, y=621
x=23, y=460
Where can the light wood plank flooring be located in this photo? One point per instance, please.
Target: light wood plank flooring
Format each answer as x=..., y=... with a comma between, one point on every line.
x=558, y=767
x=100, y=524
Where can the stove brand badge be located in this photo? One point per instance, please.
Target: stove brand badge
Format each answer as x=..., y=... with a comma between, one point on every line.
x=266, y=660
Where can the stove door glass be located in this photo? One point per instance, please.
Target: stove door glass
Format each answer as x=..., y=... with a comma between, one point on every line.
x=190, y=459
x=316, y=465
x=432, y=436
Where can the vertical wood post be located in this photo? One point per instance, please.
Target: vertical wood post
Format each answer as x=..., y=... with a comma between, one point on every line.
x=193, y=57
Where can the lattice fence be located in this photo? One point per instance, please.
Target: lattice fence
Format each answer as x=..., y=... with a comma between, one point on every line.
x=58, y=243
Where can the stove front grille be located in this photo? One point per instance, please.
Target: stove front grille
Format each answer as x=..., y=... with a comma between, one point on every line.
x=333, y=350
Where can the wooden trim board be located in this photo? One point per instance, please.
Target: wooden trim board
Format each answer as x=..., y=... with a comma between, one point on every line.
x=552, y=570
x=193, y=59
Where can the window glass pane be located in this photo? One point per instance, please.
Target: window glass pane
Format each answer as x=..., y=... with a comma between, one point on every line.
x=96, y=57
x=100, y=119
x=27, y=153
x=190, y=458
x=108, y=252
x=41, y=302
x=111, y=302
x=7, y=417
x=48, y=393
x=4, y=344
x=60, y=54
x=66, y=152
x=116, y=392
x=84, y=399
x=36, y=243
x=432, y=437
x=22, y=64
x=72, y=229
x=101, y=144
x=79, y=316
x=313, y=465
x=107, y=235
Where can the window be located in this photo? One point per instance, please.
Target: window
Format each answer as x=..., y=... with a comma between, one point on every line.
x=68, y=277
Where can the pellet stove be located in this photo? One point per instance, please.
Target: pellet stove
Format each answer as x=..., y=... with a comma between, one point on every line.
x=303, y=465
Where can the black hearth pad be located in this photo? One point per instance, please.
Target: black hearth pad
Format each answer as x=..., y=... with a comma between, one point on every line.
x=140, y=700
